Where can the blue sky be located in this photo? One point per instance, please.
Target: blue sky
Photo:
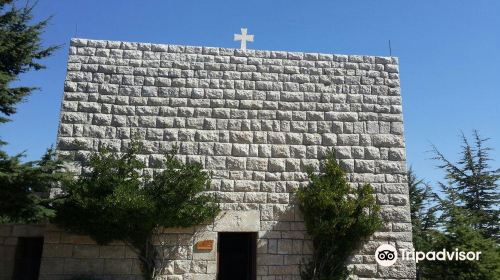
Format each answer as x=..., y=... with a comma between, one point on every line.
x=449, y=55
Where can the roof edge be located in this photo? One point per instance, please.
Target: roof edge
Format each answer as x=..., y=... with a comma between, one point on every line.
x=173, y=48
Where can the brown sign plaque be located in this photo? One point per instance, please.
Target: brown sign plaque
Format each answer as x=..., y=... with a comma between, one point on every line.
x=205, y=245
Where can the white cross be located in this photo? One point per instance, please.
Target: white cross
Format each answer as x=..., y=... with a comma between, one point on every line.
x=238, y=220
x=243, y=37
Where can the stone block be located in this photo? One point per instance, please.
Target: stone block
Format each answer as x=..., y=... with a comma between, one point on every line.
x=93, y=266
x=293, y=260
x=257, y=164
x=259, y=137
x=298, y=126
x=57, y=251
x=312, y=139
x=278, y=198
x=264, y=151
x=215, y=162
x=395, y=214
x=388, y=140
x=364, y=166
x=284, y=270
x=276, y=138
x=231, y=197
x=398, y=199
x=391, y=167
x=246, y=186
x=292, y=165
x=240, y=150
x=206, y=136
x=255, y=197
x=297, y=151
x=26, y=230
x=341, y=116
x=276, y=165
x=284, y=213
x=237, y=221
x=268, y=259
x=206, y=148
x=397, y=154
x=76, y=239
x=235, y=163
x=348, y=139
x=112, y=252
x=365, y=270
x=85, y=251
x=242, y=137
x=280, y=151
x=75, y=118
x=51, y=266
x=182, y=266
x=222, y=149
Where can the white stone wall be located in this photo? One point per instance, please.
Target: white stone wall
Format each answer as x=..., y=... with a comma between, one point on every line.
x=256, y=119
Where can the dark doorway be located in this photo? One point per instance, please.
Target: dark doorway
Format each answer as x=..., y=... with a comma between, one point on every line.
x=237, y=256
x=28, y=258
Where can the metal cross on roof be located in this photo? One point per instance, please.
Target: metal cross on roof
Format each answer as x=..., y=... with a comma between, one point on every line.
x=243, y=37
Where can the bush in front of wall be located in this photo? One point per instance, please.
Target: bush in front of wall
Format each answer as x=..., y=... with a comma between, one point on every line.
x=338, y=217
x=112, y=200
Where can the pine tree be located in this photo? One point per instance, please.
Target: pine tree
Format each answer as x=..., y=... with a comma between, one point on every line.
x=475, y=184
x=23, y=186
x=20, y=51
x=459, y=216
x=458, y=232
x=423, y=210
x=465, y=218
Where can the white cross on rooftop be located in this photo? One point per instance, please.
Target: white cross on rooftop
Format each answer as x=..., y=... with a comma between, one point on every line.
x=243, y=37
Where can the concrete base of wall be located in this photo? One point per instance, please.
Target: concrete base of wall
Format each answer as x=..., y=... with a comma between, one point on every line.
x=9, y=235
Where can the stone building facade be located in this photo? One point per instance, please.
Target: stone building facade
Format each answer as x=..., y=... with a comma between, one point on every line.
x=256, y=119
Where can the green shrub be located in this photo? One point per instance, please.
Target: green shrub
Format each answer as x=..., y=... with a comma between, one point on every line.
x=338, y=217
x=113, y=201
